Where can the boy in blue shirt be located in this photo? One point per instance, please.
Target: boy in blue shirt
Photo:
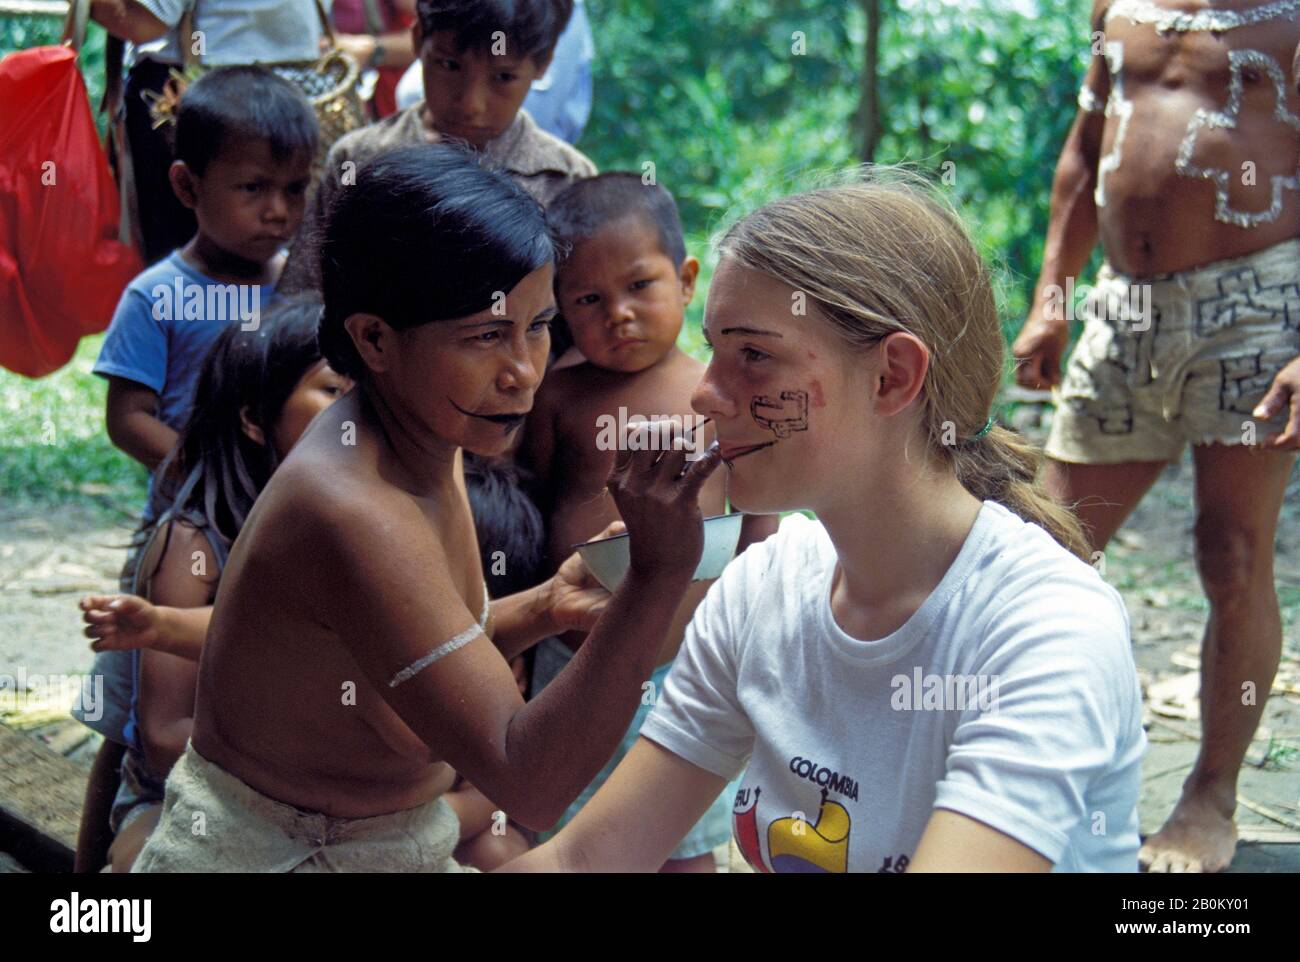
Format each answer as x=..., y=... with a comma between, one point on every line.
x=245, y=140
x=244, y=145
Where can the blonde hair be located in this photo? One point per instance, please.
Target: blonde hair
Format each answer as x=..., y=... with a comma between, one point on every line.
x=881, y=254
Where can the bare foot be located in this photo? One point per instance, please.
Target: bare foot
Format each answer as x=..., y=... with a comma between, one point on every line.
x=1198, y=837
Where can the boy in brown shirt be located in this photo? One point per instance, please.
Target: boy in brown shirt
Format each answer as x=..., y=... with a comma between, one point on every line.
x=480, y=57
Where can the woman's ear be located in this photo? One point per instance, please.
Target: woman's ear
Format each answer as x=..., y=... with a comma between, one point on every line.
x=183, y=183
x=690, y=270
x=246, y=424
x=373, y=339
x=903, y=363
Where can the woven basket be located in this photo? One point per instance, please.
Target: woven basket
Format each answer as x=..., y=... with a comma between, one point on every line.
x=329, y=84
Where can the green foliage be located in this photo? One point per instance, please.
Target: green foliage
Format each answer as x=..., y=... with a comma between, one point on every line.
x=53, y=445
x=711, y=93
x=989, y=87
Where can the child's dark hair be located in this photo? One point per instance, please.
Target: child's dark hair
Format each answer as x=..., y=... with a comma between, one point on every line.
x=215, y=469
x=532, y=26
x=243, y=102
x=586, y=206
x=507, y=521
x=425, y=234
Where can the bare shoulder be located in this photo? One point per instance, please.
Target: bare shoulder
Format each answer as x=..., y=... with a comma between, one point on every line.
x=675, y=382
x=681, y=363
x=186, y=574
x=566, y=394
x=560, y=386
x=343, y=510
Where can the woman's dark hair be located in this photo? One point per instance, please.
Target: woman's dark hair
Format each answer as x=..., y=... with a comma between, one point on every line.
x=425, y=234
x=215, y=470
x=244, y=102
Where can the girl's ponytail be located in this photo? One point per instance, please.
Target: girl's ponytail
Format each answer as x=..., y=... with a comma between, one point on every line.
x=1004, y=467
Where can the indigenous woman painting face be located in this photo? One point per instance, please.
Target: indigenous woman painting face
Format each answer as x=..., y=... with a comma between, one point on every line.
x=480, y=266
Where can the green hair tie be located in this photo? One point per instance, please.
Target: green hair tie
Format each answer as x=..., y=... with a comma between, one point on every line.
x=983, y=431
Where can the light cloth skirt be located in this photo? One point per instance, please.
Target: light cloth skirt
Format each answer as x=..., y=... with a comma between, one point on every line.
x=213, y=822
x=1178, y=358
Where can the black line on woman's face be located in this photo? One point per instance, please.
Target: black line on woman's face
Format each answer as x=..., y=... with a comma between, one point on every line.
x=508, y=421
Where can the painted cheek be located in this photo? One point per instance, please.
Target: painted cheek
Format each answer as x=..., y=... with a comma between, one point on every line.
x=782, y=414
x=818, y=399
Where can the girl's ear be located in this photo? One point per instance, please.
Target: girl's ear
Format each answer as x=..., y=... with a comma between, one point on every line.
x=690, y=270
x=373, y=339
x=254, y=433
x=904, y=361
x=183, y=183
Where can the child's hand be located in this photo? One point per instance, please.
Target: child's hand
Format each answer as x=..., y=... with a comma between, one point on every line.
x=576, y=598
x=119, y=622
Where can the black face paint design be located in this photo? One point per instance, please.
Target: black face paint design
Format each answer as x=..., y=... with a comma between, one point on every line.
x=792, y=404
x=508, y=421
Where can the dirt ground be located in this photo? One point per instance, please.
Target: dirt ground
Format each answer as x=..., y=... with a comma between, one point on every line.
x=50, y=557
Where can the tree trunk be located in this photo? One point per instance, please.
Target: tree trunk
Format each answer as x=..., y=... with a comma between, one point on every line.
x=869, y=109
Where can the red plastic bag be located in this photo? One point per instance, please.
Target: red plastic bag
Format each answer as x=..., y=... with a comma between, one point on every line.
x=62, y=268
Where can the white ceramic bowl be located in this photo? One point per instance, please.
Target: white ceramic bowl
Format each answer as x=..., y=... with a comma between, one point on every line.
x=608, y=558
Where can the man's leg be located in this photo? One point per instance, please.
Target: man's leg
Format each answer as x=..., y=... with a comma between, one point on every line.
x=1101, y=495
x=1239, y=491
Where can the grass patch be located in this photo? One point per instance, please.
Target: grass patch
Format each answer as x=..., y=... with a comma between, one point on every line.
x=53, y=444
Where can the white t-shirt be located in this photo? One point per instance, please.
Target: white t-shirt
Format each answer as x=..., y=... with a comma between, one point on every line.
x=1010, y=696
x=237, y=32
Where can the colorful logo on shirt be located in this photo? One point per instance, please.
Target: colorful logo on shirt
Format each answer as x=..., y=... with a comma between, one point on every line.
x=745, y=828
x=793, y=843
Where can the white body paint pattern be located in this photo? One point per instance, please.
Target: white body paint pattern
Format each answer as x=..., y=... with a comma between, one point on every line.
x=447, y=647
x=1089, y=102
x=1217, y=21
x=1223, y=212
x=1116, y=106
x=442, y=651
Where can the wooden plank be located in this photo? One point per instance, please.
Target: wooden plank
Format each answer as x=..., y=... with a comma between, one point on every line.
x=1268, y=835
x=41, y=795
